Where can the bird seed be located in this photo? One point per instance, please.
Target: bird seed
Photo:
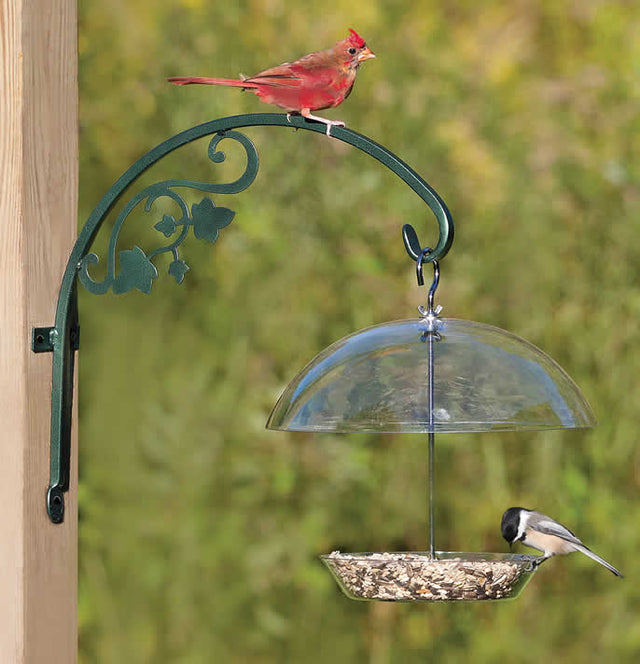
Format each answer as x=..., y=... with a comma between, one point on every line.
x=408, y=577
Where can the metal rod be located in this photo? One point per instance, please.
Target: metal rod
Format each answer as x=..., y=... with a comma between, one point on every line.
x=432, y=436
x=432, y=544
x=430, y=316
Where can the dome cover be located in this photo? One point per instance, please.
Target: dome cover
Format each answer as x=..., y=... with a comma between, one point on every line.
x=486, y=379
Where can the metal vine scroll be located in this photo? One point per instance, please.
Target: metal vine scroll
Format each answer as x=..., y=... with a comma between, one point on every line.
x=135, y=269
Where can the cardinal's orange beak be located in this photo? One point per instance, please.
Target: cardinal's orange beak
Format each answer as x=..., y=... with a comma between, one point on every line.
x=365, y=54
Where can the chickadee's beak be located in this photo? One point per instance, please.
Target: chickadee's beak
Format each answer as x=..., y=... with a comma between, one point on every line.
x=365, y=54
x=510, y=546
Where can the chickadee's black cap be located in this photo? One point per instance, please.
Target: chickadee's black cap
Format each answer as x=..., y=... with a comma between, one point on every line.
x=510, y=523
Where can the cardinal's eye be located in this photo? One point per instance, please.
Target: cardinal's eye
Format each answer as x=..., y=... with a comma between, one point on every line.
x=352, y=51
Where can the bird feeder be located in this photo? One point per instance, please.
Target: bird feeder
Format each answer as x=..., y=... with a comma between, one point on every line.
x=426, y=375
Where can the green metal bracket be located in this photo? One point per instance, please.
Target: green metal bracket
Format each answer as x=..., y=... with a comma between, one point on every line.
x=43, y=339
x=135, y=269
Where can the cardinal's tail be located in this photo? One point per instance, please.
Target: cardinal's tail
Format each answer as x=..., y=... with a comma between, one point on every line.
x=200, y=80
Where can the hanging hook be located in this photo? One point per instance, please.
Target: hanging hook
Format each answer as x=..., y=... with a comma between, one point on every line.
x=428, y=255
x=424, y=253
x=445, y=224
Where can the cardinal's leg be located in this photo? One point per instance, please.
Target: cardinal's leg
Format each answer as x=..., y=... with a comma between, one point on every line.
x=306, y=113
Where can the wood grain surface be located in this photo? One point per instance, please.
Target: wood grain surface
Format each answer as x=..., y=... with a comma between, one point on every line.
x=38, y=210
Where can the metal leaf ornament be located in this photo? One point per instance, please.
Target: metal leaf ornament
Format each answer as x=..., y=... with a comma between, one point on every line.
x=167, y=226
x=136, y=271
x=178, y=269
x=209, y=219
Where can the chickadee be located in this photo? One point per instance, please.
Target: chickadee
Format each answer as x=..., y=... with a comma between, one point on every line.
x=543, y=533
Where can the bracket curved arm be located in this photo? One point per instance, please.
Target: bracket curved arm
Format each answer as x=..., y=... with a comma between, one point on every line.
x=62, y=339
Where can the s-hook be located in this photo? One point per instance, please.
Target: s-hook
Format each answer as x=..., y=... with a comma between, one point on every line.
x=429, y=311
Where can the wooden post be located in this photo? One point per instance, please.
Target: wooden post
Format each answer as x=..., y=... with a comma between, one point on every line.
x=38, y=217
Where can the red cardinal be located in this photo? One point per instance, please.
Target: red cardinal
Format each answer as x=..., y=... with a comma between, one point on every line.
x=319, y=80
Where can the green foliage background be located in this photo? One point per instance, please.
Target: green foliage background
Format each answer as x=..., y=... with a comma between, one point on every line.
x=199, y=530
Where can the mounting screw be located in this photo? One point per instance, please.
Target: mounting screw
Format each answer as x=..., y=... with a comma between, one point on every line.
x=42, y=339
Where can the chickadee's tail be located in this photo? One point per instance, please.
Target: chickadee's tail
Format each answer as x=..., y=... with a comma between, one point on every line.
x=593, y=556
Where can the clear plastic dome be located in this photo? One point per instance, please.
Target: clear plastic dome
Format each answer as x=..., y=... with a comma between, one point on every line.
x=485, y=379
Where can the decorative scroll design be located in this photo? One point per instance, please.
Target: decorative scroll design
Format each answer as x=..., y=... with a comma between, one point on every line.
x=136, y=268
x=138, y=271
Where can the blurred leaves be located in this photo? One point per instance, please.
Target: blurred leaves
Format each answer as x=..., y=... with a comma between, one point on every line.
x=199, y=531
